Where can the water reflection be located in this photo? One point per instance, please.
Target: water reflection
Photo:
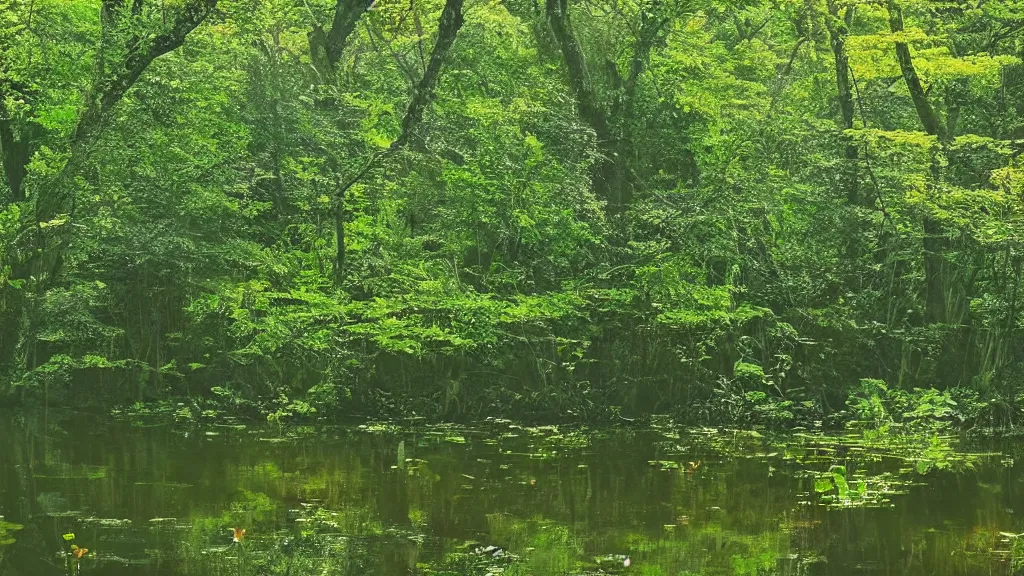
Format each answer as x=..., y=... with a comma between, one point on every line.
x=166, y=500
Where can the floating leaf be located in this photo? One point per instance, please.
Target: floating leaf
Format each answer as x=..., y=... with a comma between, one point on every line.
x=822, y=485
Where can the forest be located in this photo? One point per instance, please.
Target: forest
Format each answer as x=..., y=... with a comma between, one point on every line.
x=774, y=212
x=511, y=287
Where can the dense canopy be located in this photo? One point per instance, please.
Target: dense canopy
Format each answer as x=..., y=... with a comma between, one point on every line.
x=722, y=209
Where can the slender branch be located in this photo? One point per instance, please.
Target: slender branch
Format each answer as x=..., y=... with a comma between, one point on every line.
x=1006, y=33
x=407, y=70
x=448, y=28
x=450, y=23
x=867, y=161
x=100, y=99
x=792, y=57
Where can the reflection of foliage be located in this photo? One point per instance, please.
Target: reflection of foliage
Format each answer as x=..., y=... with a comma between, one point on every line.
x=547, y=547
x=7, y=530
x=318, y=541
x=249, y=508
x=713, y=502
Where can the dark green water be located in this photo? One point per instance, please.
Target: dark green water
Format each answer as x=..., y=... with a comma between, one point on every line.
x=164, y=499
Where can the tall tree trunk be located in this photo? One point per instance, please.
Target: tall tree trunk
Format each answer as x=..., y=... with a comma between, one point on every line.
x=839, y=30
x=930, y=119
x=936, y=269
x=16, y=151
x=590, y=110
x=612, y=125
x=650, y=32
x=946, y=299
x=326, y=48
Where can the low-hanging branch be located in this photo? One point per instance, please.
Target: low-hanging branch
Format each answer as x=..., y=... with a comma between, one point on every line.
x=108, y=89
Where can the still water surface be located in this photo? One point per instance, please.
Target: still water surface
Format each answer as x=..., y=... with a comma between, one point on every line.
x=498, y=499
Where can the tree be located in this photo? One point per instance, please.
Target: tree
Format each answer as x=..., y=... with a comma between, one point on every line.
x=130, y=39
x=612, y=122
x=450, y=22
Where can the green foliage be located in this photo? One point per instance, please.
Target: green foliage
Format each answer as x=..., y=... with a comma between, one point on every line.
x=878, y=406
x=659, y=208
x=7, y=531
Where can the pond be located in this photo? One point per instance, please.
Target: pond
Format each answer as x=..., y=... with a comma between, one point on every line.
x=498, y=499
